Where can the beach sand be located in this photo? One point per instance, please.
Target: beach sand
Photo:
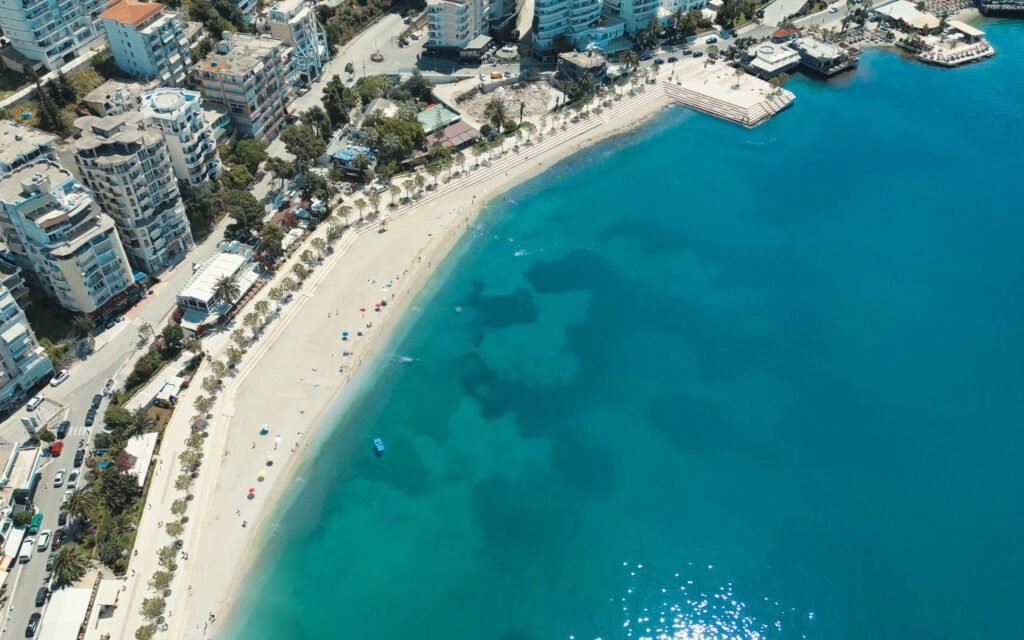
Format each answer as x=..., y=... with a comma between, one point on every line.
x=295, y=378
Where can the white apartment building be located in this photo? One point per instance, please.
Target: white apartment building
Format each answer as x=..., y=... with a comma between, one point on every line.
x=147, y=41
x=635, y=14
x=21, y=145
x=23, y=363
x=294, y=23
x=128, y=168
x=48, y=33
x=60, y=239
x=570, y=18
x=190, y=139
x=248, y=76
x=453, y=24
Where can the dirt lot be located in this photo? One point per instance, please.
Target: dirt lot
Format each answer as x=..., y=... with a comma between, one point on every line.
x=539, y=98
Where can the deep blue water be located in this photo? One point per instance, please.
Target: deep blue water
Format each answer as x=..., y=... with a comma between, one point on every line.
x=707, y=382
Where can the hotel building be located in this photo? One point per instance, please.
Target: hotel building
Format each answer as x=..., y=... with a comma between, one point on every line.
x=294, y=23
x=23, y=362
x=129, y=170
x=247, y=74
x=62, y=242
x=453, y=24
x=147, y=41
x=48, y=33
x=191, y=143
x=21, y=145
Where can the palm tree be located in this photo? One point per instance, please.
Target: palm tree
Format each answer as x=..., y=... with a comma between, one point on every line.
x=145, y=331
x=234, y=356
x=251, y=320
x=238, y=337
x=219, y=368
x=81, y=504
x=459, y=158
x=739, y=76
x=434, y=170
x=409, y=186
x=630, y=59
x=320, y=245
x=226, y=290
x=300, y=271
x=288, y=284
x=262, y=307
x=496, y=112
x=420, y=181
x=395, y=191
x=192, y=345
x=203, y=404
x=334, y=232
x=140, y=423
x=344, y=211
x=276, y=295
x=361, y=205
x=307, y=257
x=69, y=565
x=375, y=201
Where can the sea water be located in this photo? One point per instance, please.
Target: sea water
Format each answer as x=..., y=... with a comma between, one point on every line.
x=702, y=382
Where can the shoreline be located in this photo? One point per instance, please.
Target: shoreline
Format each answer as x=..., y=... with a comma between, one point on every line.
x=217, y=537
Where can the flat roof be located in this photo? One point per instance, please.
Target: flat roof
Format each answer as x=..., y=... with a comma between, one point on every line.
x=479, y=42
x=816, y=48
x=588, y=60
x=965, y=28
x=130, y=12
x=436, y=116
x=65, y=614
x=907, y=12
x=203, y=282
x=240, y=53
x=17, y=140
x=141, y=447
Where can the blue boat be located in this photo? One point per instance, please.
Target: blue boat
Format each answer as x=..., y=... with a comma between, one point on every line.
x=378, y=446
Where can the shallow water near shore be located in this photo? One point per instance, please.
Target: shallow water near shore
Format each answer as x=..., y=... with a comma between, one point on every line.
x=701, y=382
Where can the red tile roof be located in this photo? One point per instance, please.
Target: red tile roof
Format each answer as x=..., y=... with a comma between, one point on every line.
x=130, y=12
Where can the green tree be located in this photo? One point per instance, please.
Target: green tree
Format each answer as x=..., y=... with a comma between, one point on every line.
x=420, y=87
x=192, y=345
x=161, y=580
x=262, y=307
x=271, y=239
x=118, y=490
x=320, y=245
x=45, y=435
x=69, y=565
x=249, y=152
x=317, y=119
x=140, y=423
x=300, y=271
x=361, y=205
x=288, y=284
x=146, y=632
x=496, y=112
x=302, y=142
x=281, y=168
x=234, y=356
x=82, y=325
x=276, y=294
x=246, y=211
x=81, y=505
x=153, y=608
x=117, y=417
x=226, y=290
x=203, y=404
x=22, y=518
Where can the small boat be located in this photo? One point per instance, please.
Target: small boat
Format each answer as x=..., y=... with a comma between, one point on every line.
x=378, y=446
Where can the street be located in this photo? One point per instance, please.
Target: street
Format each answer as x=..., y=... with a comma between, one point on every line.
x=115, y=347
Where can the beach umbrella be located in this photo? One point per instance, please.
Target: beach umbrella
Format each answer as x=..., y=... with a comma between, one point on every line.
x=252, y=492
x=261, y=475
x=363, y=309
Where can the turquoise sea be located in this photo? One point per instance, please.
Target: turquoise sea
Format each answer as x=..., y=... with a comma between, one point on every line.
x=706, y=382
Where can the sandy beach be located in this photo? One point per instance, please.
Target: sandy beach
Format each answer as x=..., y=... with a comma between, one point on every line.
x=296, y=378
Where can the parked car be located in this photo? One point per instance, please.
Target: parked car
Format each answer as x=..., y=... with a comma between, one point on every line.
x=61, y=376
x=33, y=625
x=58, y=539
x=508, y=74
x=73, y=480
x=58, y=478
x=659, y=61
x=79, y=457
x=833, y=10
x=41, y=596
x=687, y=52
x=96, y=400
x=28, y=547
x=56, y=448
x=712, y=40
x=698, y=54
x=50, y=561
x=62, y=518
x=34, y=403
x=62, y=429
x=673, y=59
x=90, y=417
x=44, y=540
x=303, y=90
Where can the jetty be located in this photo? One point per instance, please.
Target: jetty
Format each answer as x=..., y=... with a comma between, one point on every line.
x=716, y=89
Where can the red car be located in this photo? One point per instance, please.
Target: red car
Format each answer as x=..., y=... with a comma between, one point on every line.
x=56, y=448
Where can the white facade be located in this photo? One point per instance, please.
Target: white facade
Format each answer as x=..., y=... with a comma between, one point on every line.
x=569, y=18
x=50, y=223
x=190, y=140
x=452, y=24
x=635, y=14
x=21, y=145
x=23, y=362
x=147, y=41
x=294, y=23
x=49, y=32
x=129, y=170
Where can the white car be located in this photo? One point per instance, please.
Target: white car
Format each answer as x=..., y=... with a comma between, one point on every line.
x=61, y=376
x=58, y=478
x=72, y=480
x=44, y=540
x=34, y=403
x=28, y=546
x=833, y=10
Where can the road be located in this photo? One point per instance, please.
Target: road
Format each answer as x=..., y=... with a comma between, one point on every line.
x=779, y=10
x=115, y=347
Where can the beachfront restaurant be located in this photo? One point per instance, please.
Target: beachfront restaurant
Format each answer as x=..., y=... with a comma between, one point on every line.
x=198, y=304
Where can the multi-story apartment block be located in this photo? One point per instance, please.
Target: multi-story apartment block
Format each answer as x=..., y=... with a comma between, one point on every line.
x=23, y=363
x=63, y=243
x=247, y=7
x=247, y=74
x=21, y=145
x=502, y=15
x=48, y=33
x=190, y=139
x=453, y=24
x=294, y=23
x=11, y=278
x=635, y=14
x=129, y=170
x=579, y=21
x=147, y=41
